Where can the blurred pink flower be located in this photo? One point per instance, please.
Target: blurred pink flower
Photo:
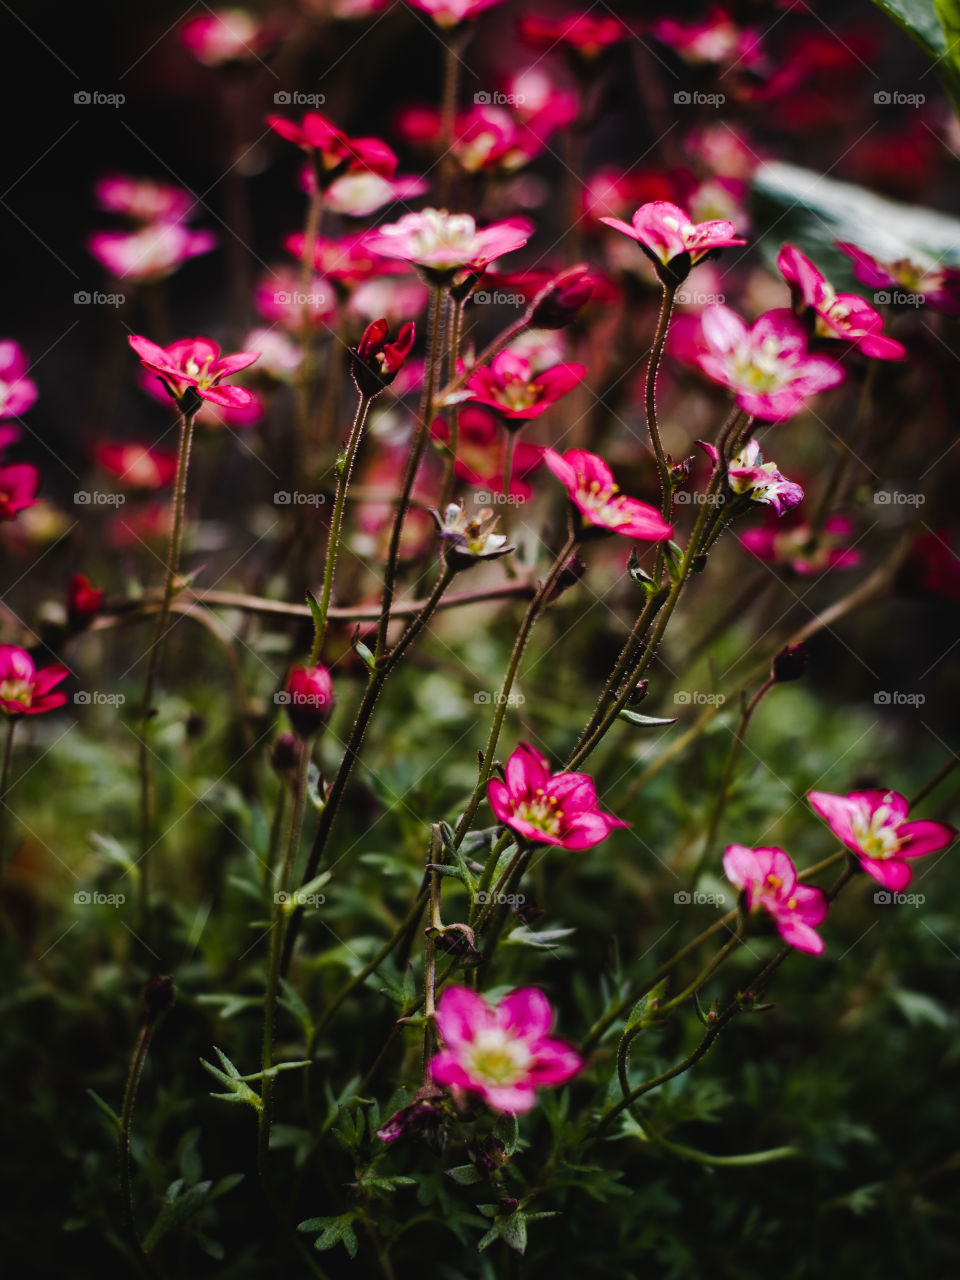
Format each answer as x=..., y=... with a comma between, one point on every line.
x=18, y=489
x=143, y=199
x=226, y=35
x=712, y=39
x=196, y=363
x=308, y=698
x=586, y=34
x=769, y=878
x=481, y=449
x=137, y=465
x=938, y=286
x=797, y=548
x=450, y=13
x=25, y=691
x=873, y=824
x=510, y=386
x=279, y=298
x=589, y=482
x=845, y=316
x=505, y=1053
x=150, y=253
x=17, y=392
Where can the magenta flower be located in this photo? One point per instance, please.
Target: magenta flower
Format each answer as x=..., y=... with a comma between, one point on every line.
x=768, y=366
x=873, y=825
x=308, y=698
x=226, y=35
x=150, y=253
x=376, y=361
x=17, y=393
x=25, y=691
x=18, y=489
x=481, y=451
x=450, y=13
x=138, y=465
x=332, y=152
x=84, y=601
x=761, y=481
x=938, y=287
x=836, y=315
x=143, y=199
x=445, y=242
x=196, y=363
x=560, y=808
x=672, y=241
x=586, y=34
x=509, y=385
x=590, y=484
x=505, y=1053
x=712, y=39
x=769, y=880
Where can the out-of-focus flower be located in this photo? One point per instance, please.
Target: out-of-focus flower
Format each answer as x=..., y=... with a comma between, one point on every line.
x=332, y=153
x=672, y=241
x=308, y=698
x=18, y=489
x=349, y=260
x=510, y=386
x=589, y=482
x=769, y=879
x=559, y=301
x=584, y=34
x=444, y=243
x=138, y=465
x=143, y=199
x=376, y=362
x=725, y=150
x=845, y=316
x=17, y=392
x=196, y=363
x=363, y=193
x=541, y=102
x=469, y=536
x=279, y=357
x=392, y=296
x=560, y=809
x=873, y=824
x=505, y=1053
x=226, y=35
x=25, y=691
x=611, y=193
x=797, y=547
x=720, y=200
x=713, y=39
x=450, y=13
x=481, y=450
x=761, y=481
x=150, y=253
x=84, y=601
x=279, y=298
x=939, y=287
x=767, y=366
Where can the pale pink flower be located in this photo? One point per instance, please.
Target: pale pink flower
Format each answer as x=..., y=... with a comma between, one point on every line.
x=591, y=488
x=845, y=316
x=671, y=240
x=225, y=35
x=150, y=253
x=560, y=809
x=769, y=879
x=279, y=298
x=17, y=392
x=143, y=199
x=445, y=242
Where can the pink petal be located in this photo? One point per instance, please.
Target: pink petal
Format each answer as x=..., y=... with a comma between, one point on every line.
x=232, y=397
x=445, y=1068
x=619, y=225
x=722, y=329
x=812, y=905
x=47, y=677
x=461, y=1013
x=801, y=936
x=890, y=872
x=561, y=468
x=499, y=797
x=924, y=837
x=510, y=1098
x=555, y=1062
x=526, y=770
x=837, y=812
x=233, y=364
x=148, y=350
x=741, y=865
x=797, y=269
x=588, y=829
x=526, y=1013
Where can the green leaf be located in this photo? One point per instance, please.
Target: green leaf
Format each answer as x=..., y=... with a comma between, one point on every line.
x=512, y=1230
x=634, y=717
x=465, y=1174
x=176, y=1210
x=314, y=606
x=237, y=1089
x=507, y=1130
x=545, y=940
x=333, y=1231
x=107, y=1110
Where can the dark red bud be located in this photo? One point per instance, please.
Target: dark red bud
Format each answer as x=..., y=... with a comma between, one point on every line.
x=789, y=664
x=557, y=304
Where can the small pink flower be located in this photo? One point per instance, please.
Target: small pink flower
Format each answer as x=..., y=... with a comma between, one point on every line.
x=504, y=1053
x=873, y=825
x=767, y=366
x=481, y=449
x=939, y=287
x=769, y=879
x=308, y=698
x=394, y=297
x=333, y=153
x=748, y=474
x=560, y=808
x=348, y=260
x=142, y=199
x=18, y=489
x=152, y=252
x=798, y=549
x=836, y=315
x=362, y=193
x=137, y=465
x=25, y=691
x=196, y=363
x=225, y=35
x=17, y=393
x=445, y=242
x=450, y=13
x=280, y=299
x=672, y=241
x=590, y=484
x=509, y=385
x=586, y=34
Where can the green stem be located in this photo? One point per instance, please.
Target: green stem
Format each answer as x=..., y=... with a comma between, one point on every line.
x=5, y=786
x=137, y=1063
x=650, y=403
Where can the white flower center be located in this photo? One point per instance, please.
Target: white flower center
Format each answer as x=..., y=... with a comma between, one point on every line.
x=498, y=1058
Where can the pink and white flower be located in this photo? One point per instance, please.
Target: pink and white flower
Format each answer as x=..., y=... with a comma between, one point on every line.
x=25, y=691
x=712, y=40
x=136, y=465
x=767, y=366
x=450, y=13
x=279, y=298
x=671, y=240
x=504, y=1053
x=845, y=316
x=800, y=549
x=560, y=809
x=17, y=392
x=769, y=879
x=196, y=363
x=938, y=286
x=761, y=481
x=592, y=490
x=445, y=242
x=150, y=253
x=873, y=825
x=143, y=199
x=509, y=385
x=225, y=35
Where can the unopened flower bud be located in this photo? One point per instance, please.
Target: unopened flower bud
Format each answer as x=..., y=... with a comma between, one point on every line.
x=158, y=996
x=557, y=304
x=789, y=664
x=569, y=576
x=377, y=362
x=285, y=754
x=309, y=699
x=84, y=601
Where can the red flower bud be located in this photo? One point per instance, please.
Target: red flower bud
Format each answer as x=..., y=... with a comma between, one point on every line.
x=557, y=304
x=83, y=601
x=377, y=362
x=789, y=664
x=308, y=698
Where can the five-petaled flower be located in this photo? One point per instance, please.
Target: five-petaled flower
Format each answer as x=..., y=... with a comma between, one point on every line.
x=591, y=488
x=25, y=691
x=510, y=385
x=672, y=241
x=308, y=697
x=769, y=879
x=469, y=537
x=444, y=243
x=767, y=366
x=873, y=824
x=559, y=808
x=844, y=316
x=504, y=1053
x=376, y=362
x=196, y=363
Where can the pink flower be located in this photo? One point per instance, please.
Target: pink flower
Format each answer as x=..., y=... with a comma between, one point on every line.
x=361, y=193
x=748, y=474
x=25, y=691
x=837, y=315
x=767, y=366
x=560, y=808
x=450, y=13
x=586, y=34
x=280, y=299
x=505, y=1053
x=143, y=199
x=18, y=489
x=509, y=385
x=225, y=35
x=769, y=879
x=376, y=361
x=332, y=152
x=481, y=449
x=445, y=242
x=152, y=252
x=196, y=363
x=797, y=548
x=17, y=393
x=84, y=601
x=939, y=287
x=873, y=825
x=137, y=465
x=308, y=698
x=672, y=241
x=715, y=38
x=394, y=297
x=348, y=260
x=590, y=484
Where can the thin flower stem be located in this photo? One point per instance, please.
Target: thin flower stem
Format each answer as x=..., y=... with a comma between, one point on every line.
x=493, y=348
x=846, y=453
x=452, y=48
x=456, y=330
x=5, y=776
x=430, y=957
x=344, y=472
x=154, y=657
x=137, y=1063
x=413, y=463
x=507, y=481
x=650, y=403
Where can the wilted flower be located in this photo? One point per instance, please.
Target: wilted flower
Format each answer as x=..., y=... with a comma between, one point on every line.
x=590, y=484
x=376, y=362
x=769, y=880
x=308, y=697
x=195, y=363
x=671, y=241
x=873, y=825
x=509, y=385
x=504, y=1053
x=17, y=392
x=560, y=808
x=844, y=316
x=469, y=537
x=761, y=481
x=789, y=663
x=150, y=253
x=444, y=242
x=25, y=691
